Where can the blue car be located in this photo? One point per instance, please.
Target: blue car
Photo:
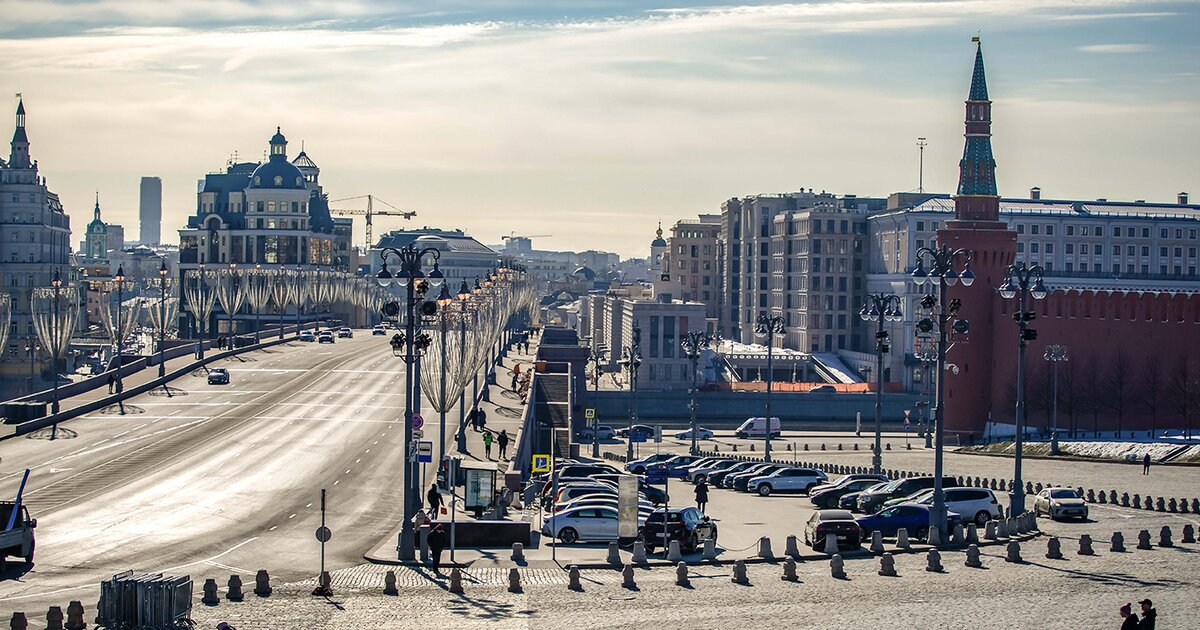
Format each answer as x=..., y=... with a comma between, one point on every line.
x=910, y=516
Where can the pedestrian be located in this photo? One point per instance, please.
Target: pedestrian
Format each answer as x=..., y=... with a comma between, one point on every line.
x=112, y=381
x=1146, y=464
x=473, y=419
x=513, y=385
x=436, y=538
x=487, y=444
x=701, y=495
x=435, y=499
x=482, y=418
x=1130, y=620
x=503, y=440
x=1148, y=615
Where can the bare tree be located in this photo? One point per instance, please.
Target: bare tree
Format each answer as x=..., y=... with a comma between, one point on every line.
x=1117, y=386
x=1183, y=391
x=1069, y=391
x=1150, y=394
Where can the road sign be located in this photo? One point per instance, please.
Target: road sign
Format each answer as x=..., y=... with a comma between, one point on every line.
x=589, y=414
x=324, y=534
x=656, y=475
x=541, y=463
x=418, y=434
x=658, y=434
x=417, y=421
x=637, y=437
x=424, y=451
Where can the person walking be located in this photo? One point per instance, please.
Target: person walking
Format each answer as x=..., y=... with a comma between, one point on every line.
x=473, y=418
x=487, y=444
x=701, y=495
x=481, y=417
x=1130, y=620
x=502, y=439
x=437, y=542
x=435, y=500
x=112, y=381
x=1146, y=464
x=1148, y=615
x=516, y=373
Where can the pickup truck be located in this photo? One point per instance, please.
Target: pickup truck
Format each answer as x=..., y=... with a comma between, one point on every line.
x=17, y=541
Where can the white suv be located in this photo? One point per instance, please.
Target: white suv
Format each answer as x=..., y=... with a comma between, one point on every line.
x=787, y=480
x=974, y=504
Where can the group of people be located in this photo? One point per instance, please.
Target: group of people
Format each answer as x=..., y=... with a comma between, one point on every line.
x=501, y=441
x=1131, y=621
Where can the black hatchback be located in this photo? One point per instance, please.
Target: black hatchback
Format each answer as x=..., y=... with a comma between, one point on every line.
x=687, y=525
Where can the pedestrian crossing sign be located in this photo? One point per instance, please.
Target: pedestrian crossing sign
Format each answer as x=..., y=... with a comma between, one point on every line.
x=541, y=463
x=589, y=414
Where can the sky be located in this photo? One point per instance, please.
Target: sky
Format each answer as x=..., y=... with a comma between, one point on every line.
x=591, y=120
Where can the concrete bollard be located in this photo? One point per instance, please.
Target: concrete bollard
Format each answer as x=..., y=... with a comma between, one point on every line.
x=75, y=616
x=1124, y=499
x=627, y=580
x=518, y=552
x=934, y=561
x=1014, y=552
x=1112, y=497
x=673, y=554
x=972, y=534
x=234, y=594
x=1029, y=487
x=837, y=568
x=514, y=580
x=54, y=618
x=887, y=446
x=806, y=446
x=908, y=447
x=573, y=581
x=1189, y=534
x=887, y=565
x=210, y=593
x=262, y=583
x=1144, y=540
x=1172, y=506
x=1195, y=506
x=789, y=570
x=764, y=549
x=752, y=447
x=639, y=552
x=1159, y=505
x=831, y=546
x=856, y=446
x=455, y=581
x=973, y=558
x=1183, y=508
x=959, y=535
x=1148, y=503
x=681, y=575
x=614, y=553
x=1164, y=537
x=1085, y=545
x=389, y=583
x=1137, y=501
x=1002, y=528
x=876, y=542
x=710, y=550
x=934, y=537
x=19, y=622
x=1091, y=496
x=1101, y=496
x=1118, y=542
x=989, y=532
x=902, y=538
x=992, y=484
x=792, y=548
x=1054, y=548
x=1037, y=488
x=739, y=573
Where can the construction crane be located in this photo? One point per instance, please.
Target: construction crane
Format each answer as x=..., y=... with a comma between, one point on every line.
x=371, y=212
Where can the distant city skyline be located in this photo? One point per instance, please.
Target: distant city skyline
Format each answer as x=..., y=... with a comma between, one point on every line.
x=594, y=124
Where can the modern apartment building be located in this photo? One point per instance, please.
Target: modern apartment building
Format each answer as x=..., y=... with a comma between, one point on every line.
x=691, y=268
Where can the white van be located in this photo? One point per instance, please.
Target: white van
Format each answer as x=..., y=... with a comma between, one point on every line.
x=757, y=427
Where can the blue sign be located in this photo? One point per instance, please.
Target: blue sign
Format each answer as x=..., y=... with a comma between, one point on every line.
x=637, y=437
x=656, y=475
x=425, y=452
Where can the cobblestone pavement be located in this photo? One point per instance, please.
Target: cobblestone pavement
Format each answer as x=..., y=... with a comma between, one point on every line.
x=1075, y=592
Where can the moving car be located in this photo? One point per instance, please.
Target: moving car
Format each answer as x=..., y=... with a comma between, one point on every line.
x=822, y=389
x=307, y=336
x=325, y=336
x=828, y=496
x=871, y=500
x=701, y=434
x=1060, y=503
x=345, y=332
x=379, y=330
x=640, y=431
x=639, y=467
x=687, y=525
x=605, y=432
x=838, y=523
x=757, y=428
x=910, y=516
x=787, y=480
x=218, y=376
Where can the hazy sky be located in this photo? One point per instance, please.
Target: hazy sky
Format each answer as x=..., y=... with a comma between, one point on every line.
x=590, y=120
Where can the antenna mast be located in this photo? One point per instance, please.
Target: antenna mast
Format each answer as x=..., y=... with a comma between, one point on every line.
x=921, y=167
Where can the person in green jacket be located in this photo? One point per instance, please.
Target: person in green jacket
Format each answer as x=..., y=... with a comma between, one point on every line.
x=487, y=444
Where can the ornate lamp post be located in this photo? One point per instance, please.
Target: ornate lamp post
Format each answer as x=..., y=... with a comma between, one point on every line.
x=1022, y=281
x=631, y=359
x=927, y=355
x=444, y=300
x=120, y=280
x=769, y=326
x=1055, y=354
x=162, y=319
x=596, y=355
x=942, y=272
x=464, y=297
x=57, y=284
x=414, y=281
x=693, y=344
x=881, y=308
x=235, y=293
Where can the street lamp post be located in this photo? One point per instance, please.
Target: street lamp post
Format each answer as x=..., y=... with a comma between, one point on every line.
x=693, y=343
x=464, y=296
x=881, y=308
x=769, y=326
x=162, y=319
x=1022, y=280
x=200, y=323
x=596, y=355
x=1055, y=354
x=57, y=284
x=31, y=349
x=234, y=286
x=120, y=280
x=415, y=283
x=444, y=300
x=943, y=273
x=631, y=359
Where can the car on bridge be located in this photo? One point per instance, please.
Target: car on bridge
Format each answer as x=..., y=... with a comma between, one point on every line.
x=325, y=336
x=345, y=332
x=379, y=330
x=701, y=434
x=605, y=432
x=218, y=376
x=307, y=336
x=640, y=431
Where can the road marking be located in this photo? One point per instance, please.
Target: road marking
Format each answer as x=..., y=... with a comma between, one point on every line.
x=273, y=528
x=292, y=516
x=336, y=482
x=208, y=560
x=308, y=506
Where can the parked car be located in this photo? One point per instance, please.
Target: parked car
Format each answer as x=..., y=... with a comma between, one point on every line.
x=639, y=467
x=687, y=525
x=717, y=477
x=325, y=336
x=676, y=466
x=871, y=500
x=757, y=428
x=218, y=376
x=702, y=462
x=849, y=501
x=822, y=389
x=587, y=470
x=829, y=495
x=641, y=431
x=605, y=432
x=910, y=516
x=838, y=523
x=701, y=434
x=737, y=481
x=601, y=500
x=1060, y=503
x=583, y=523
x=307, y=336
x=345, y=332
x=974, y=504
x=378, y=330
x=654, y=494
x=701, y=472
x=787, y=480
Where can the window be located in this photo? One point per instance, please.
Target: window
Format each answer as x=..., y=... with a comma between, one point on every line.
x=1145, y=250
x=1049, y=230
x=1162, y=233
x=1145, y=232
x=1020, y=228
x=920, y=225
x=1070, y=248
x=1049, y=248
x=1083, y=248
x=1099, y=230
x=1034, y=246
x=1162, y=252
x=1116, y=250
x=1116, y=230
x=1070, y=230
x=1033, y=229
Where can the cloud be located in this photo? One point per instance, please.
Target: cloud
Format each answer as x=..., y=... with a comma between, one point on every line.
x=1116, y=49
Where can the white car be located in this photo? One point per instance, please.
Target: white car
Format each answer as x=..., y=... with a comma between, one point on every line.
x=787, y=480
x=605, y=432
x=701, y=434
x=1060, y=503
x=601, y=501
x=974, y=504
x=584, y=523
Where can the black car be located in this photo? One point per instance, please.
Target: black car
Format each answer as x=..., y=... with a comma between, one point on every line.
x=716, y=478
x=642, y=431
x=218, y=376
x=838, y=523
x=828, y=496
x=687, y=525
x=869, y=502
x=654, y=494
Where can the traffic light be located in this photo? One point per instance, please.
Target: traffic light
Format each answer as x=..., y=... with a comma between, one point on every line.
x=1029, y=334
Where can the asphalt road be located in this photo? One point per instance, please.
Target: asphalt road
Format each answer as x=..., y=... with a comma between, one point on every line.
x=217, y=479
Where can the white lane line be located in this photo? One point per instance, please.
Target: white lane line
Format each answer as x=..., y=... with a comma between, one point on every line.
x=308, y=506
x=337, y=482
x=292, y=516
x=347, y=471
x=209, y=560
x=273, y=528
